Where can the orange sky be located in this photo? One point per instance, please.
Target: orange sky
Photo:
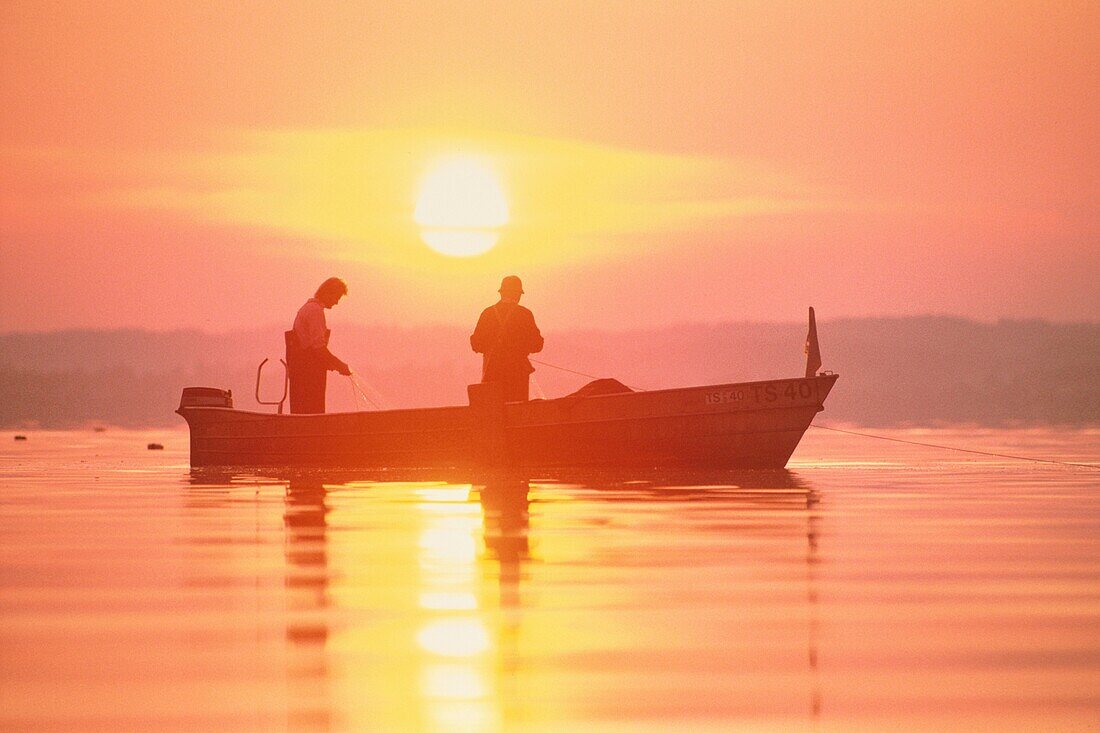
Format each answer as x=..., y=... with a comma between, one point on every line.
x=198, y=165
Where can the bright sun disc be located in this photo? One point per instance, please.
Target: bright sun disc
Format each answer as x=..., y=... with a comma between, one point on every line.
x=461, y=207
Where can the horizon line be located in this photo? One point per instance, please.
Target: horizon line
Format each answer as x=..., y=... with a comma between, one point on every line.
x=385, y=325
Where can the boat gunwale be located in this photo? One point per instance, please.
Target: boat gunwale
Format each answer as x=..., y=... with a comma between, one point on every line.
x=517, y=426
x=264, y=416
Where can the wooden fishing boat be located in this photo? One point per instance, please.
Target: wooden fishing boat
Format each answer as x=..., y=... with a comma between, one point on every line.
x=737, y=425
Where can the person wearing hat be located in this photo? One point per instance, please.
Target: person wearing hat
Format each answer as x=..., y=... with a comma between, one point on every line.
x=505, y=335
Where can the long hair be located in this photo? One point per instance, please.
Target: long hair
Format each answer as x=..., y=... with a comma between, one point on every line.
x=331, y=289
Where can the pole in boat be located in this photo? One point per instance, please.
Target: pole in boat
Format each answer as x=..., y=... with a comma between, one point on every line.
x=487, y=422
x=813, y=353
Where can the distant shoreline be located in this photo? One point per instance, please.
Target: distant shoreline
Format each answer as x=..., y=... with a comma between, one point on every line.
x=916, y=372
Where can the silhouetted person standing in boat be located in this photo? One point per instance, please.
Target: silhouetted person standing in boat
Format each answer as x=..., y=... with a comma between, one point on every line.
x=506, y=333
x=308, y=359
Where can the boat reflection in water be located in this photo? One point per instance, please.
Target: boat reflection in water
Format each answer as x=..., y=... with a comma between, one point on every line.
x=498, y=602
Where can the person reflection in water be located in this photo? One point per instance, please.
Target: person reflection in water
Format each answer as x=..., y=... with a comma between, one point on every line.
x=307, y=603
x=308, y=359
x=504, y=504
x=505, y=508
x=306, y=524
x=505, y=335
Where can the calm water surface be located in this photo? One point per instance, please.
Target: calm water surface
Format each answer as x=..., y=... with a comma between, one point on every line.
x=872, y=586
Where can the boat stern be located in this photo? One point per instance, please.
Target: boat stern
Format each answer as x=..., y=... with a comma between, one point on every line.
x=204, y=397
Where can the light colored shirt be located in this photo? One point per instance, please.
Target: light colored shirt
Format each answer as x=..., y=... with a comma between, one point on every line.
x=310, y=326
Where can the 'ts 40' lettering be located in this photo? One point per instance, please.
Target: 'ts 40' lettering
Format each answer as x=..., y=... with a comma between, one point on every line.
x=724, y=396
x=760, y=393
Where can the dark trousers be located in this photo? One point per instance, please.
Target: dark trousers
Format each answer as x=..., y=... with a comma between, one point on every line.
x=307, y=390
x=514, y=385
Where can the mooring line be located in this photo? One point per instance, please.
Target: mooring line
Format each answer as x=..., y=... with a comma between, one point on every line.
x=955, y=448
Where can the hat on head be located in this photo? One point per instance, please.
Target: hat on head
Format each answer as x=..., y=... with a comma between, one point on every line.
x=511, y=284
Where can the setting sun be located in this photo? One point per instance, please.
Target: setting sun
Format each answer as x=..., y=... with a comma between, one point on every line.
x=461, y=207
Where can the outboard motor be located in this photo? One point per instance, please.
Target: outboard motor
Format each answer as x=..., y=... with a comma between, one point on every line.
x=206, y=397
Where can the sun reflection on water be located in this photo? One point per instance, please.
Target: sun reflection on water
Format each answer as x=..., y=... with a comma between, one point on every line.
x=448, y=601
x=456, y=680
x=453, y=682
x=454, y=637
x=451, y=543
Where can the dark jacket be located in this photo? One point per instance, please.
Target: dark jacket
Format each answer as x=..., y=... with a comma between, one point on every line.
x=506, y=333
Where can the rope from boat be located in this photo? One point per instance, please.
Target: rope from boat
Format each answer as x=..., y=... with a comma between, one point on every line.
x=580, y=374
x=368, y=389
x=561, y=368
x=538, y=388
x=956, y=448
x=358, y=388
x=359, y=406
x=357, y=395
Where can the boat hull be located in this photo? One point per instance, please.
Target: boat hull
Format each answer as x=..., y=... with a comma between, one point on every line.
x=742, y=425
